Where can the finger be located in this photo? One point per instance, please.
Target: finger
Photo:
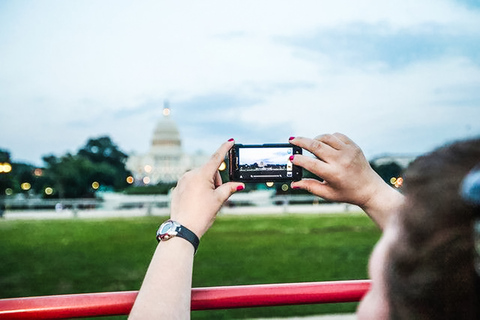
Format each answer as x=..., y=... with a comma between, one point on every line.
x=227, y=189
x=217, y=181
x=331, y=140
x=343, y=138
x=320, y=149
x=218, y=157
x=312, y=186
x=316, y=166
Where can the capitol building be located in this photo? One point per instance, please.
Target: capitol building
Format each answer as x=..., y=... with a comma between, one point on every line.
x=165, y=162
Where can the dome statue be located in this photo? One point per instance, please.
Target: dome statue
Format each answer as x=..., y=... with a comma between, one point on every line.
x=166, y=137
x=165, y=161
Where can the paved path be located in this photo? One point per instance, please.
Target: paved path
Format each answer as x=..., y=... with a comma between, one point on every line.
x=120, y=213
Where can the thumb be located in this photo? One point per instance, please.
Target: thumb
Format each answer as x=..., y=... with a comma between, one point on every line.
x=227, y=189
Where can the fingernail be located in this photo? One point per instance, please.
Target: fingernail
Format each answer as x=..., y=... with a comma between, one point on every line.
x=295, y=187
x=291, y=138
x=291, y=158
x=240, y=188
x=231, y=139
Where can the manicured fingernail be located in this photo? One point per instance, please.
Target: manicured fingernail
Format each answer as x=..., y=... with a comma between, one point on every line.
x=291, y=158
x=295, y=187
x=291, y=138
x=231, y=139
x=240, y=188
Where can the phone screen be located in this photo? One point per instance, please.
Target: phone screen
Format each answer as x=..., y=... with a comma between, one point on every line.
x=265, y=163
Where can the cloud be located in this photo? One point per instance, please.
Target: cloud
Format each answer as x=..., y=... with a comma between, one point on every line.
x=360, y=44
x=255, y=71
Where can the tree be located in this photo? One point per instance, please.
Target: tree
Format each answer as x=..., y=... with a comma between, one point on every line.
x=6, y=181
x=18, y=173
x=99, y=164
x=104, y=153
x=4, y=156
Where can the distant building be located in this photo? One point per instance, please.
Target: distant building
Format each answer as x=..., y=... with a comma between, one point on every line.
x=165, y=162
x=402, y=160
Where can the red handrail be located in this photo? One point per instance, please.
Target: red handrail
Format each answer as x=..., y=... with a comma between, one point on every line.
x=120, y=303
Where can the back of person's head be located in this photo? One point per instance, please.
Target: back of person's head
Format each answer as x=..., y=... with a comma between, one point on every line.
x=430, y=271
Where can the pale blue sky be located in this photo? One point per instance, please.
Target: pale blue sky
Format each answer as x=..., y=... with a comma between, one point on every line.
x=267, y=156
x=396, y=76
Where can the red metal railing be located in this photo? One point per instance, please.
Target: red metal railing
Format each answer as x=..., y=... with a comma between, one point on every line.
x=120, y=303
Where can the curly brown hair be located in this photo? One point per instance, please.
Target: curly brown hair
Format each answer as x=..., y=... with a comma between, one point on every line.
x=430, y=270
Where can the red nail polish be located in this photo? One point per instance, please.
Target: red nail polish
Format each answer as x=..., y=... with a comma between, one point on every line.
x=240, y=188
x=291, y=138
x=231, y=139
x=291, y=158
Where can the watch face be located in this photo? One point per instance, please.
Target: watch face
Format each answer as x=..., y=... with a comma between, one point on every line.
x=166, y=227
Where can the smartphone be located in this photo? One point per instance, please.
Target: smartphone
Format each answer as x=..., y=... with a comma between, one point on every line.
x=263, y=163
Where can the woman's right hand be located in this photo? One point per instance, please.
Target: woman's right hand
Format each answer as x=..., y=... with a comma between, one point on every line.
x=200, y=193
x=347, y=175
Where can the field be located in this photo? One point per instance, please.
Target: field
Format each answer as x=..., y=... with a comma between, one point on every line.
x=83, y=256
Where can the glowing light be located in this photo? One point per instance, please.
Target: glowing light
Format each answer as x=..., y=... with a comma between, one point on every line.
x=8, y=191
x=399, y=182
x=223, y=166
x=166, y=112
x=147, y=168
x=393, y=180
x=269, y=184
x=26, y=186
x=48, y=191
x=38, y=172
x=284, y=187
x=146, y=180
x=130, y=180
x=95, y=185
x=5, y=167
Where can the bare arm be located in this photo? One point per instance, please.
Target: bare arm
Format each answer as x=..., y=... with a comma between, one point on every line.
x=166, y=289
x=348, y=177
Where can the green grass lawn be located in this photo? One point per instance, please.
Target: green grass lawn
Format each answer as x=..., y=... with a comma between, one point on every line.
x=83, y=256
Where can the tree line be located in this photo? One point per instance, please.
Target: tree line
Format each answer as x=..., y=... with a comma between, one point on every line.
x=99, y=165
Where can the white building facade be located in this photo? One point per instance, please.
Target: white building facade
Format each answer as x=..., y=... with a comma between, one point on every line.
x=165, y=162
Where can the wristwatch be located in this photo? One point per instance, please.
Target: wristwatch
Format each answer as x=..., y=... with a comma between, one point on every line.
x=170, y=229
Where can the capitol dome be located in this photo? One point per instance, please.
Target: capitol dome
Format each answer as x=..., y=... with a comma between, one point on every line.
x=166, y=137
x=165, y=162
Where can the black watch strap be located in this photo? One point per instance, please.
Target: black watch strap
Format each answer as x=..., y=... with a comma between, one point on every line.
x=170, y=229
x=188, y=235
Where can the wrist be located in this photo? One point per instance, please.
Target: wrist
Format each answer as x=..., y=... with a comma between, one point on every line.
x=172, y=229
x=179, y=245
x=384, y=201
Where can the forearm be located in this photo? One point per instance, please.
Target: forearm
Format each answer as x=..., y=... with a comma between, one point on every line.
x=166, y=290
x=198, y=196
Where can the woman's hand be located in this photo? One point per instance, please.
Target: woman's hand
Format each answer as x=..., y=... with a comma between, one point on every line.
x=347, y=175
x=200, y=194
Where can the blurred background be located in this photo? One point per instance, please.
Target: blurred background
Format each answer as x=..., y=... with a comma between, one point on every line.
x=104, y=99
x=396, y=76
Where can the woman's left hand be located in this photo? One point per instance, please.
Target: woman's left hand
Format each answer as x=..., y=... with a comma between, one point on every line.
x=200, y=194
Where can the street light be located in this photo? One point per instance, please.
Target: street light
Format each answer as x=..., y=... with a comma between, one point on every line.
x=26, y=186
x=5, y=167
x=48, y=191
